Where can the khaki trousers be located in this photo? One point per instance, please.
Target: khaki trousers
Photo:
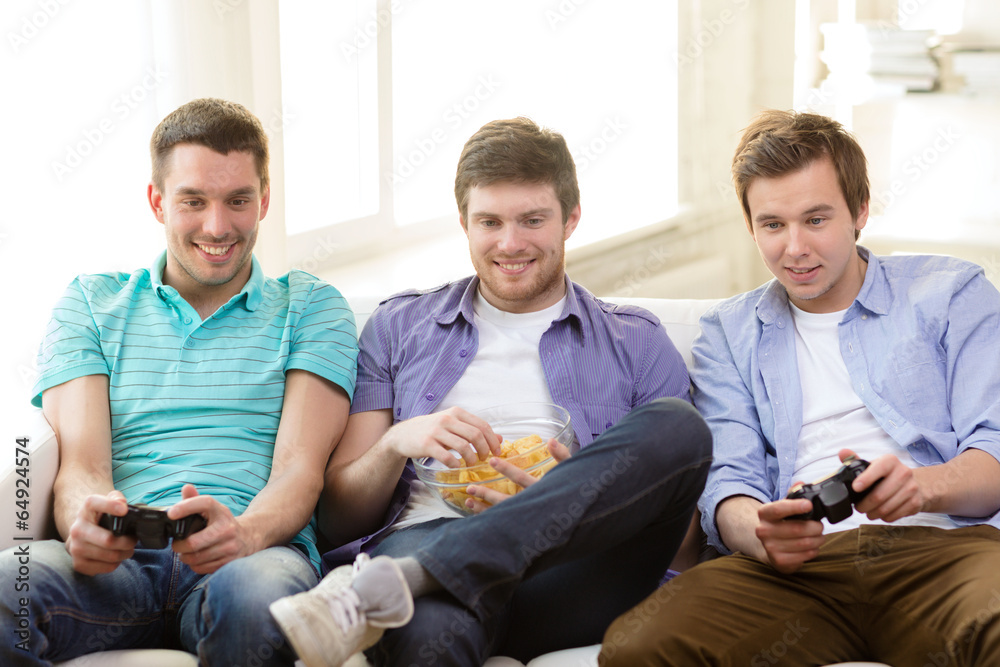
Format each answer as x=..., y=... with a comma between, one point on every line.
x=907, y=596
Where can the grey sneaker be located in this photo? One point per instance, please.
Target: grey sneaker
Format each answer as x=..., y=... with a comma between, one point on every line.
x=332, y=622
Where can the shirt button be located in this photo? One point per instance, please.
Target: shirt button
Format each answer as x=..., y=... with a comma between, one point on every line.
x=187, y=320
x=399, y=411
x=429, y=397
x=462, y=353
x=608, y=425
x=864, y=317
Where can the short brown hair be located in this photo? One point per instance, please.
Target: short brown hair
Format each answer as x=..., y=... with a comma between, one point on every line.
x=517, y=150
x=780, y=142
x=218, y=124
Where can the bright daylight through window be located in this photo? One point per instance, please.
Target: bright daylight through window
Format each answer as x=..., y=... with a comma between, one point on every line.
x=602, y=73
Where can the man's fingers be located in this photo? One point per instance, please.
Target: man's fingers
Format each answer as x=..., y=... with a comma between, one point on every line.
x=512, y=472
x=204, y=505
x=96, y=505
x=117, y=496
x=484, y=440
x=559, y=451
x=782, y=509
x=476, y=440
x=476, y=505
x=487, y=495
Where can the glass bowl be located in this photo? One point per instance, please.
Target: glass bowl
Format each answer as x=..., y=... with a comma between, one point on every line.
x=513, y=422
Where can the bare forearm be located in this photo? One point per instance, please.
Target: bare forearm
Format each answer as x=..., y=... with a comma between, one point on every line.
x=79, y=414
x=282, y=508
x=72, y=486
x=968, y=485
x=737, y=520
x=357, y=493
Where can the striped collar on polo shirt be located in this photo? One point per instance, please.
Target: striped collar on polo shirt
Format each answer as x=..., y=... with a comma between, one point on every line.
x=254, y=289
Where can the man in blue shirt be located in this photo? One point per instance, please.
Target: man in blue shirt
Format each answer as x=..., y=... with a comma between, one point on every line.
x=601, y=527
x=199, y=385
x=891, y=359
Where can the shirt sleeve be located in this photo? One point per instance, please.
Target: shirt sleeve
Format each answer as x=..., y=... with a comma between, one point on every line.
x=740, y=464
x=71, y=347
x=663, y=372
x=325, y=340
x=375, y=388
x=973, y=372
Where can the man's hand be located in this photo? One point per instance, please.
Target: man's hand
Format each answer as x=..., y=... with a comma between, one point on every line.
x=439, y=432
x=897, y=495
x=788, y=544
x=222, y=540
x=484, y=497
x=96, y=550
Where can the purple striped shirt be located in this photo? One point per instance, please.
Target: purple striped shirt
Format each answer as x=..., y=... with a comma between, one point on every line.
x=600, y=361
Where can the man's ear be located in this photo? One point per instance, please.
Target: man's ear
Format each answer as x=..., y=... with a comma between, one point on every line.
x=155, y=199
x=571, y=222
x=461, y=221
x=265, y=202
x=862, y=220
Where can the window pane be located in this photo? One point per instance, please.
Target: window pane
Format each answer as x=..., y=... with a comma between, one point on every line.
x=330, y=106
x=602, y=73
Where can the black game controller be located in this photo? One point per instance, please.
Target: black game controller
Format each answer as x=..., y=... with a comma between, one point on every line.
x=151, y=525
x=833, y=497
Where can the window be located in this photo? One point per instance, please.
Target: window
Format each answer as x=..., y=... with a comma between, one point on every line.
x=330, y=107
x=602, y=73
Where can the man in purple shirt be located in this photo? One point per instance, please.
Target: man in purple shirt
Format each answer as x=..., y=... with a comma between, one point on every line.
x=602, y=526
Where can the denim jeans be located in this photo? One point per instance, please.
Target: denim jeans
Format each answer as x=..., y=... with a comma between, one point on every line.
x=150, y=600
x=553, y=566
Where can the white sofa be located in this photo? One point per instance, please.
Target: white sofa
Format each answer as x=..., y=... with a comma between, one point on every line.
x=679, y=316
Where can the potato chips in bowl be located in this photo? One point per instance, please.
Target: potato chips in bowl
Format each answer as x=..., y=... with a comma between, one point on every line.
x=526, y=429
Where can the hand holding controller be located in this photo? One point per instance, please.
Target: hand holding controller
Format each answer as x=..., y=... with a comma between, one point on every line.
x=151, y=525
x=833, y=497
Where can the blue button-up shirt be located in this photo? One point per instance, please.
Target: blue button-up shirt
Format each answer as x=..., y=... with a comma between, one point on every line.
x=600, y=361
x=920, y=344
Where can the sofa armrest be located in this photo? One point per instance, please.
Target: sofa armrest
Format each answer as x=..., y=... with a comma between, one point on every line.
x=37, y=479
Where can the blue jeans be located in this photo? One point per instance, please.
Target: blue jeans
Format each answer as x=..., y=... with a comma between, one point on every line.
x=151, y=600
x=553, y=566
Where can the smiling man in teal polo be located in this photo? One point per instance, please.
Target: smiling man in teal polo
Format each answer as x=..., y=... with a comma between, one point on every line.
x=199, y=385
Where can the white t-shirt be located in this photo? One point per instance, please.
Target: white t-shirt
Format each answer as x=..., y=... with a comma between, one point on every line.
x=507, y=368
x=834, y=417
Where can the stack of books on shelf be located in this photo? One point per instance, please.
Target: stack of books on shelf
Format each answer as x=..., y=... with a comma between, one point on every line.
x=977, y=68
x=902, y=58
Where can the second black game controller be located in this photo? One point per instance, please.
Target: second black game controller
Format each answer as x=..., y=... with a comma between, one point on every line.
x=151, y=526
x=833, y=498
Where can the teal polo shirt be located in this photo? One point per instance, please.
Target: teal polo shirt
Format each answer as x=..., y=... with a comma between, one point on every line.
x=192, y=401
